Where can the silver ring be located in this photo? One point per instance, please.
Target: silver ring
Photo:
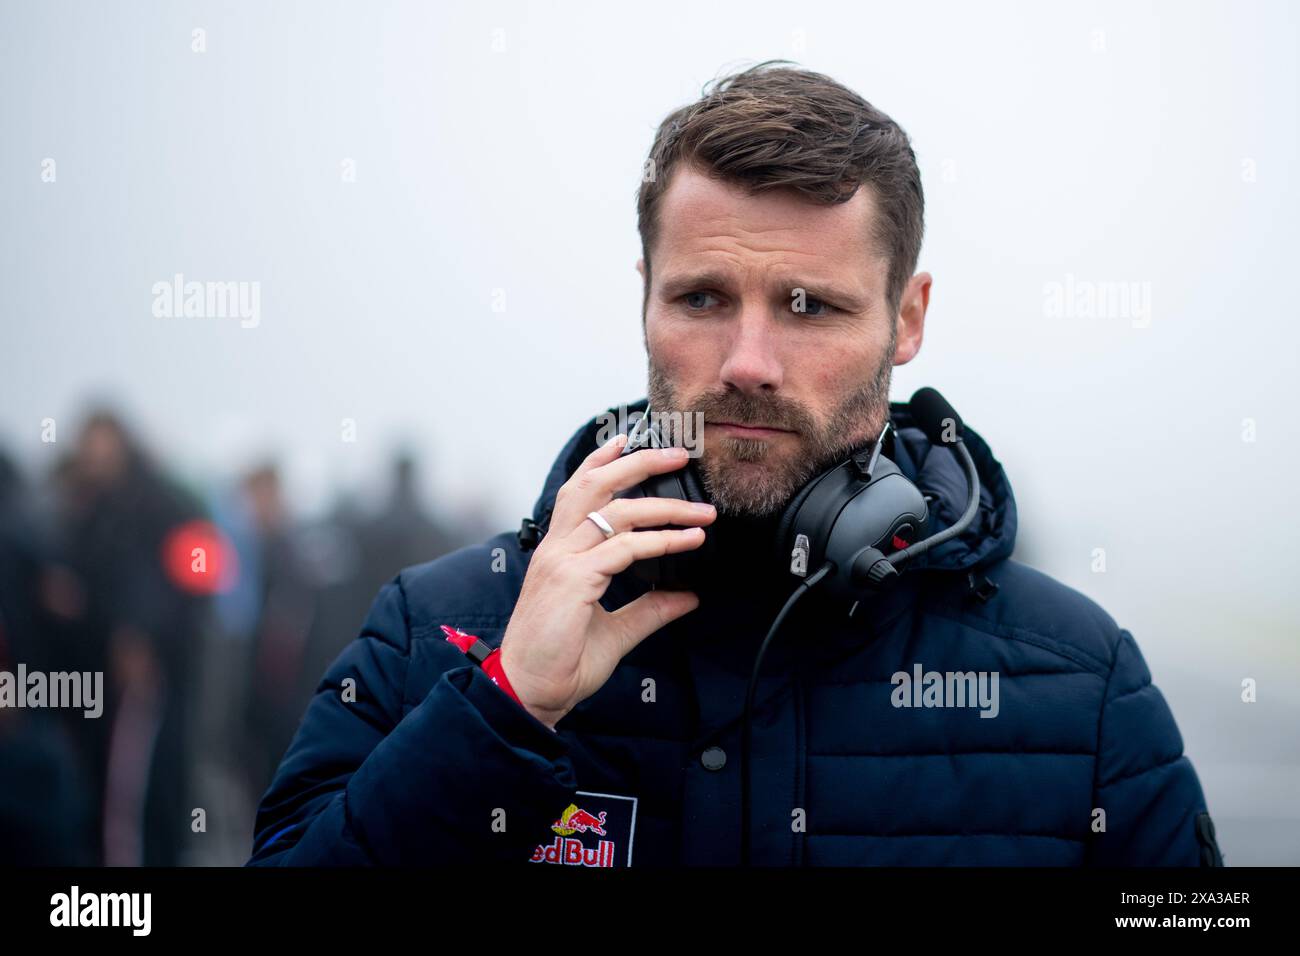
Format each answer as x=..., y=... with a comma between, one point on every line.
x=601, y=523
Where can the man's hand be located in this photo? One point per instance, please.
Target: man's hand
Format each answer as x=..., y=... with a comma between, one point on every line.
x=560, y=645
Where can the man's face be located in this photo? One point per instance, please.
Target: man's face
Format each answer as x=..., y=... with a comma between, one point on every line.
x=101, y=454
x=769, y=310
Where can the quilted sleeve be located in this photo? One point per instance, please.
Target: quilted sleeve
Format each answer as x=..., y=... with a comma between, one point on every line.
x=467, y=776
x=1155, y=812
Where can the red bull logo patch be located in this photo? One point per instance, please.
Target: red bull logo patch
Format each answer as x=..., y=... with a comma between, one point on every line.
x=595, y=830
x=575, y=820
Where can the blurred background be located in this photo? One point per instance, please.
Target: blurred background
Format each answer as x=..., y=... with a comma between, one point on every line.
x=424, y=216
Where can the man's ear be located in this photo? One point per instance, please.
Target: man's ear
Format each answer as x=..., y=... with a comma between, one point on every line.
x=645, y=293
x=911, y=317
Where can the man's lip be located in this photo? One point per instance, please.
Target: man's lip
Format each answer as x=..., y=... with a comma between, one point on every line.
x=752, y=431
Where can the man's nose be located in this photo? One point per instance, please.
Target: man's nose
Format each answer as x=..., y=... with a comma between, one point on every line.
x=753, y=361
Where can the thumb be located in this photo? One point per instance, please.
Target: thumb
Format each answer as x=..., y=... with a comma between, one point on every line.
x=637, y=620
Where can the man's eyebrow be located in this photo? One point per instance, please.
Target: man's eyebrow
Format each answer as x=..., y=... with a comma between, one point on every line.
x=827, y=291
x=675, y=285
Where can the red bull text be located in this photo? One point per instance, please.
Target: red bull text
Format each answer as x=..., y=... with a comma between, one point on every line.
x=571, y=851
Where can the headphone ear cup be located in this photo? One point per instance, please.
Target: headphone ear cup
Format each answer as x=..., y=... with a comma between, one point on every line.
x=685, y=570
x=693, y=483
x=676, y=485
x=674, y=571
x=782, y=542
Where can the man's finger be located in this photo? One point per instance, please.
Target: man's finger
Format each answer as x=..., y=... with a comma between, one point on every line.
x=625, y=514
x=618, y=553
x=637, y=620
x=602, y=455
x=594, y=488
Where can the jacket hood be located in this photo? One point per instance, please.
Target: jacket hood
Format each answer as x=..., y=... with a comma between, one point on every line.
x=939, y=474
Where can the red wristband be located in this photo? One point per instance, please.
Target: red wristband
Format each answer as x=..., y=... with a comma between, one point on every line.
x=489, y=659
x=492, y=665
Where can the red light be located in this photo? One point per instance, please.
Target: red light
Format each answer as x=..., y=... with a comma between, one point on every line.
x=199, y=559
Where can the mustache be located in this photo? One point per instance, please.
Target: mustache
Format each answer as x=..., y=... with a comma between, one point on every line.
x=743, y=409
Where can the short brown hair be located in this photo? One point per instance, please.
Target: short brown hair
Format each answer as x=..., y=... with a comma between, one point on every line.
x=768, y=127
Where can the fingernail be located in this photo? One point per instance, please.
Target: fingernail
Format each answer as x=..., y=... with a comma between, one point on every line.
x=676, y=451
x=703, y=507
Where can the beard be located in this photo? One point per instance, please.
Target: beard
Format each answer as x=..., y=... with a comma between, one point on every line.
x=753, y=477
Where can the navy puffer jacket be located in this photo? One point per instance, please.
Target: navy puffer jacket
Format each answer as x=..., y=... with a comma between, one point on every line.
x=408, y=754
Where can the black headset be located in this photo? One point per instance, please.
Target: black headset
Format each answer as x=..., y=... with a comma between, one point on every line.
x=851, y=526
x=847, y=530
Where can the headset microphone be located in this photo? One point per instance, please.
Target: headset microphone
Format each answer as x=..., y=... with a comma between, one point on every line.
x=942, y=425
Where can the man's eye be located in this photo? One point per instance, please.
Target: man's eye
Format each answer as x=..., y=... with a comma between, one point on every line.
x=812, y=306
x=692, y=300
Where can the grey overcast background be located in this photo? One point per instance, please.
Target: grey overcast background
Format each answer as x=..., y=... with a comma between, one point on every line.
x=472, y=291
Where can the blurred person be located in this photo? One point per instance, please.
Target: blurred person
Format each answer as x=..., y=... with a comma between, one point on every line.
x=507, y=703
x=255, y=673
x=45, y=816
x=334, y=551
x=20, y=562
x=403, y=532
x=350, y=555
x=135, y=621
x=314, y=579
x=285, y=601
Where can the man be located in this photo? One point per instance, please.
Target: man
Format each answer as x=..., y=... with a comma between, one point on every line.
x=780, y=230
